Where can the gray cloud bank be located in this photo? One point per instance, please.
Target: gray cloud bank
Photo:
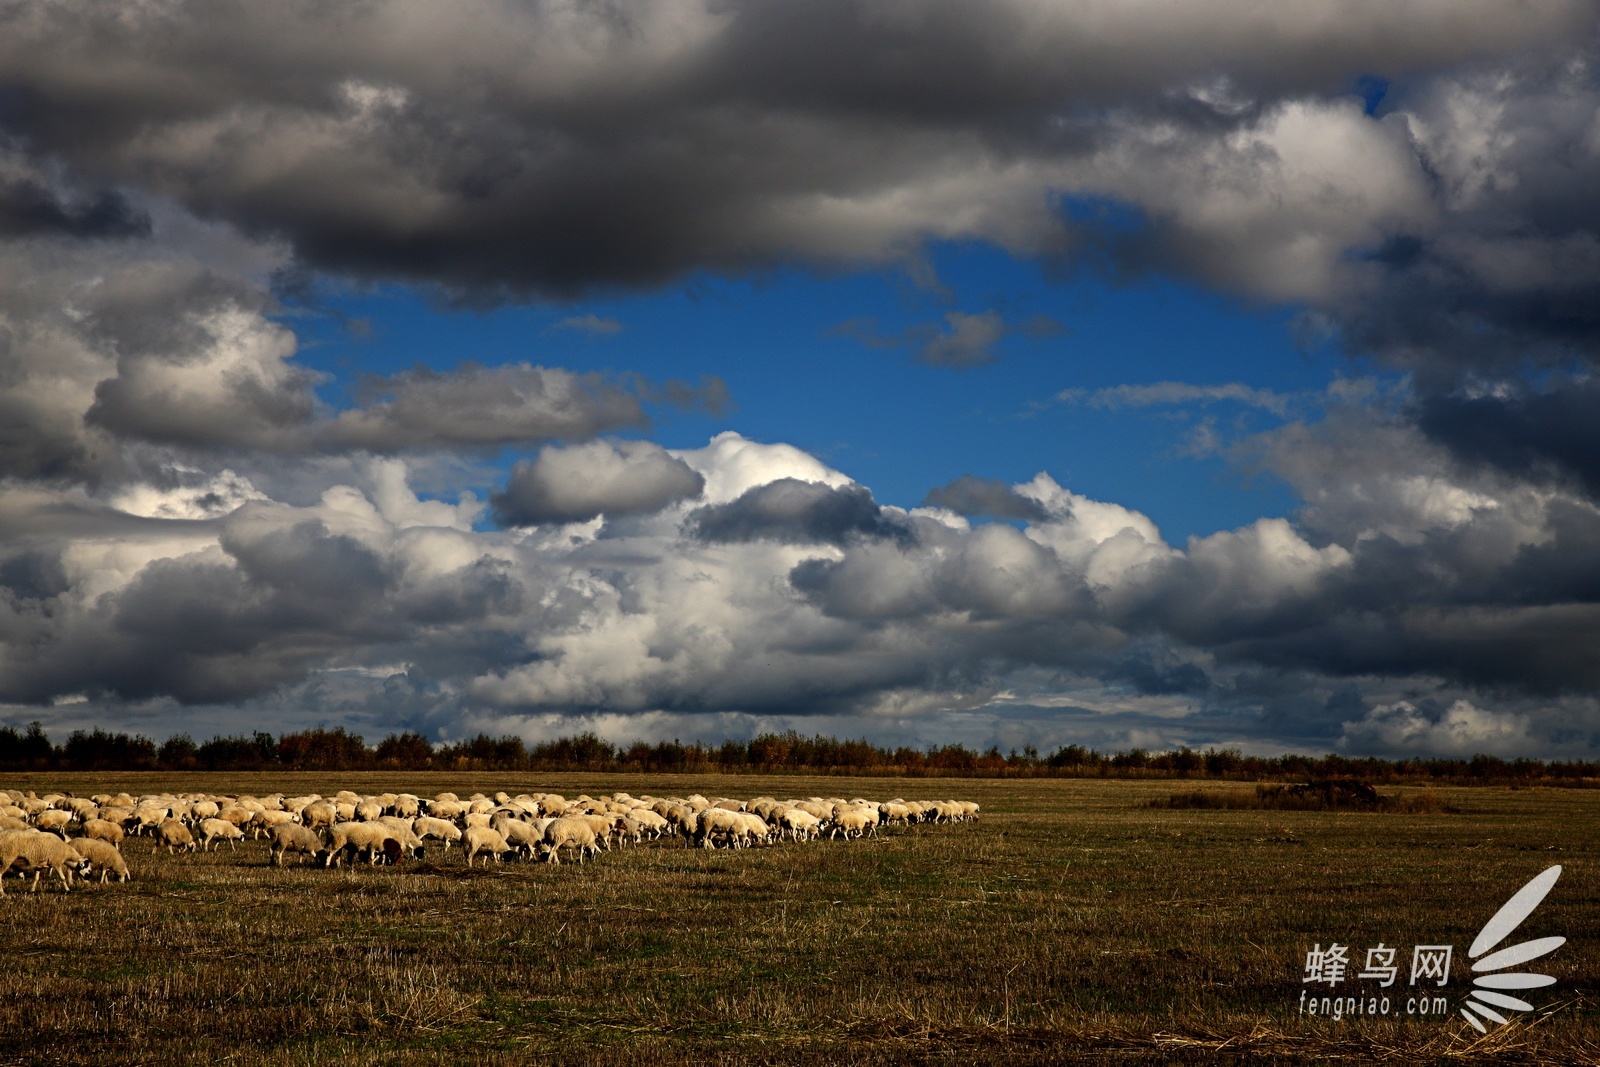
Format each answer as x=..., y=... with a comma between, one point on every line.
x=186, y=522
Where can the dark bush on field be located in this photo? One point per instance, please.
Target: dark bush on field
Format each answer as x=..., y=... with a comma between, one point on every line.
x=1329, y=795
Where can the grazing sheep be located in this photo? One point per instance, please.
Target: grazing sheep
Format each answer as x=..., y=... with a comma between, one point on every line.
x=447, y=809
x=101, y=830
x=237, y=814
x=568, y=832
x=174, y=835
x=318, y=813
x=290, y=837
x=800, y=823
x=520, y=835
x=264, y=820
x=407, y=806
x=213, y=830
x=103, y=857
x=713, y=824
x=39, y=852
x=652, y=824
x=54, y=821
x=482, y=839
x=369, y=811
x=400, y=829
x=426, y=827
x=350, y=839
x=852, y=822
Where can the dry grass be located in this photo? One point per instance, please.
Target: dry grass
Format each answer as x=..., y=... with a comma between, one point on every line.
x=1071, y=925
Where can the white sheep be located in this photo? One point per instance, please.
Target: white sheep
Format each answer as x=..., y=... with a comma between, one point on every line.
x=53, y=821
x=174, y=835
x=291, y=837
x=103, y=857
x=425, y=826
x=518, y=834
x=264, y=820
x=478, y=839
x=353, y=838
x=102, y=830
x=39, y=852
x=214, y=830
x=568, y=832
x=800, y=823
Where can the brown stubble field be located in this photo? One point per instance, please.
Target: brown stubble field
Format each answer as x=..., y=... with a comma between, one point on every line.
x=1069, y=925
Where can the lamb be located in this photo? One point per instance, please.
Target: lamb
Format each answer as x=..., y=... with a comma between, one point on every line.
x=483, y=839
x=101, y=856
x=289, y=837
x=568, y=833
x=39, y=852
x=174, y=835
x=213, y=830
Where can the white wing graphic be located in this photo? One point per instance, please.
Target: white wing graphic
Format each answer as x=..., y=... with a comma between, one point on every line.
x=1496, y=930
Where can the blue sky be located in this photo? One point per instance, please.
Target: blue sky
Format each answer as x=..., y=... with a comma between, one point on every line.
x=899, y=426
x=534, y=369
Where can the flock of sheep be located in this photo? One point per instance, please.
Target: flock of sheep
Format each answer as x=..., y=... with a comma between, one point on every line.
x=82, y=835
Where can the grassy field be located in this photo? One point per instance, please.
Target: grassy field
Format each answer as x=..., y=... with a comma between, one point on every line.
x=1072, y=924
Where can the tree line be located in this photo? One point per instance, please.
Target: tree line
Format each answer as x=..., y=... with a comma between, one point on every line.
x=31, y=749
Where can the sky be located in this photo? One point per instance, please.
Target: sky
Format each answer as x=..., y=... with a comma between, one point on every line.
x=994, y=371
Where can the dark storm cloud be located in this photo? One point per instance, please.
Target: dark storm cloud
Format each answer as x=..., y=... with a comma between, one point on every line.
x=796, y=512
x=30, y=208
x=500, y=149
x=968, y=495
x=1547, y=434
x=1509, y=274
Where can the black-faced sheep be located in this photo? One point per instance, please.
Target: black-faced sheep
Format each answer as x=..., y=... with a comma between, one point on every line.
x=102, y=857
